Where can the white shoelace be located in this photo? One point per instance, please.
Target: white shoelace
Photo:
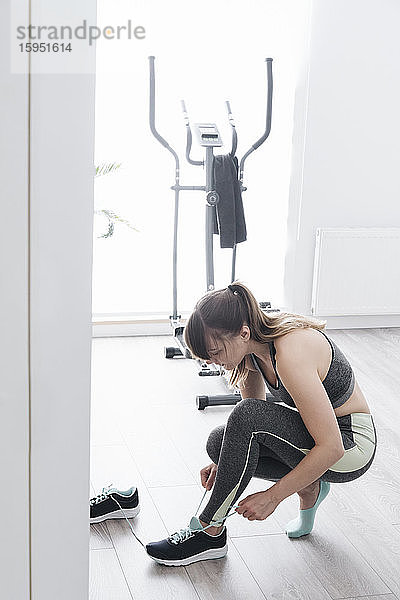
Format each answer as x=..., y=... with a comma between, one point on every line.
x=181, y=535
x=184, y=534
x=105, y=493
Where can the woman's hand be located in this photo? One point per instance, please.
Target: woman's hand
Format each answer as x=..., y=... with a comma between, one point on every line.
x=208, y=475
x=258, y=506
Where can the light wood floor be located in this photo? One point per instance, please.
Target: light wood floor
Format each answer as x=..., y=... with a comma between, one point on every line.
x=147, y=431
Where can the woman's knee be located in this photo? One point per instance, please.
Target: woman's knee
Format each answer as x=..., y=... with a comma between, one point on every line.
x=245, y=412
x=214, y=443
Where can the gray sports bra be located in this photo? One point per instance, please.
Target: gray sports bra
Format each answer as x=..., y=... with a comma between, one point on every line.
x=338, y=383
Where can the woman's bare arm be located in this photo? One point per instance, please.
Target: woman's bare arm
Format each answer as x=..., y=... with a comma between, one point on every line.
x=254, y=386
x=296, y=363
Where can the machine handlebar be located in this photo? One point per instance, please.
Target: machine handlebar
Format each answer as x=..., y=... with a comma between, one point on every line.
x=266, y=133
x=189, y=137
x=232, y=123
x=256, y=144
x=152, y=113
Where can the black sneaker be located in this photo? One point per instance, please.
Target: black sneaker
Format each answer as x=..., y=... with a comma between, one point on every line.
x=106, y=504
x=188, y=545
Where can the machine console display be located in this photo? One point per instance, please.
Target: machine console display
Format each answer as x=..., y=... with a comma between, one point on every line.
x=208, y=134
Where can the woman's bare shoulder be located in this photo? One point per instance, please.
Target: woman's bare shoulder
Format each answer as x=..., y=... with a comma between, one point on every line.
x=302, y=339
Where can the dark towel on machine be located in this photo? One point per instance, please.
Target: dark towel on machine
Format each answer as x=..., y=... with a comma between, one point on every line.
x=229, y=219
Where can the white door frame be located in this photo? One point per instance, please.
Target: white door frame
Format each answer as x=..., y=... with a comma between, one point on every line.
x=47, y=158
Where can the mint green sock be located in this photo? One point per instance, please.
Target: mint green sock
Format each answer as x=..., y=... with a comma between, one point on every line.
x=305, y=521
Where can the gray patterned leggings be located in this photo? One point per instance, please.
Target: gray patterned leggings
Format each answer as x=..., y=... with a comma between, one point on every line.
x=267, y=440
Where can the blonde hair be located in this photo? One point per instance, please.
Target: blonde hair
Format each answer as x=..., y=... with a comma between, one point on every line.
x=222, y=313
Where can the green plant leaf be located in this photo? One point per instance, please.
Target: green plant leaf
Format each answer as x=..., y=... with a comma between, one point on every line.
x=106, y=168
x=112, y=219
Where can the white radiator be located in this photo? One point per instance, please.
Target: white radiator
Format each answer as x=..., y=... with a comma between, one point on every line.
x=356, y=271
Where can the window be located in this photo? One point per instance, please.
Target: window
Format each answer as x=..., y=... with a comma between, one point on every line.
x=205, y=53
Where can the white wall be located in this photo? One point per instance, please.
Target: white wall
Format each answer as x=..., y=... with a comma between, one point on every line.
x=346, y=154
x=46, y=158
